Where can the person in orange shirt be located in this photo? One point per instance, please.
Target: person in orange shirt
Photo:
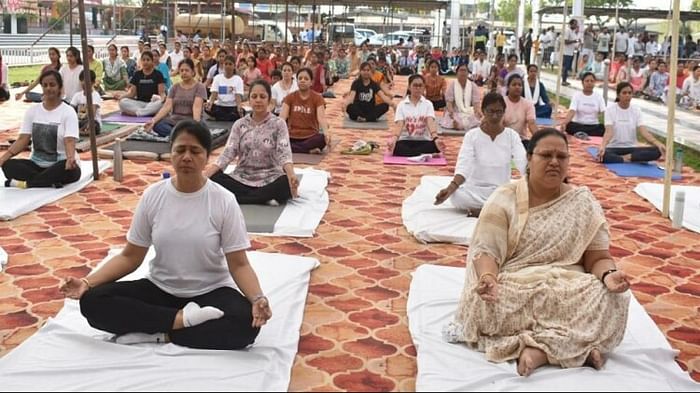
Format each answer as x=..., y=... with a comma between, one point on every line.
x=379, y=78
x=435, y=85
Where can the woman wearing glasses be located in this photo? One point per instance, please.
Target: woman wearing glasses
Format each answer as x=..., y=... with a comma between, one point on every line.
x=484, y=160
x=541, y=287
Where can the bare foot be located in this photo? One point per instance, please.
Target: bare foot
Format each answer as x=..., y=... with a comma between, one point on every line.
x=595, y=359
x=315, y=151
x=530, y=359
x=361, y=119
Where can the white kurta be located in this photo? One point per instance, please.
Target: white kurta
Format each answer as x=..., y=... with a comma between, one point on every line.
x=485, y=165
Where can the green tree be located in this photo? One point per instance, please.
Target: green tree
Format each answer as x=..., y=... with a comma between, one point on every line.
x=695, y=6
x=508, y=11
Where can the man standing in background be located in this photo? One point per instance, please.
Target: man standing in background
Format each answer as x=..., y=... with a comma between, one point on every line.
x=570, y=41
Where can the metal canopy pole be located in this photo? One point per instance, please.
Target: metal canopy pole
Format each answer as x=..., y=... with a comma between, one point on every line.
x=286, y=24
x=313, y=25
x=671, y=123
x=88, y=92
x=561, y=56
x=70, y=21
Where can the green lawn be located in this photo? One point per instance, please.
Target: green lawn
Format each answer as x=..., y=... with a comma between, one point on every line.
x=22, y=74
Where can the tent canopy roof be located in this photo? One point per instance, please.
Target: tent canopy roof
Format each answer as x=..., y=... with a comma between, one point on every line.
x=415, y=4
x=626, y=13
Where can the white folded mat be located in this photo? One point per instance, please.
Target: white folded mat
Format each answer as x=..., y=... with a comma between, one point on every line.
x=644, y=361
x=435, y=224
x=15, y=202
x=68, y=355
x=301, y=216
x=654, y=193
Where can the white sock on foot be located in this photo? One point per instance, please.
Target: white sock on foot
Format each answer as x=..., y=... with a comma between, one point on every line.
x=139, y=338
x=194, y=315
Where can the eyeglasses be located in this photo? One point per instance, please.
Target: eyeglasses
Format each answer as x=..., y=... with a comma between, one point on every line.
x=548, y=156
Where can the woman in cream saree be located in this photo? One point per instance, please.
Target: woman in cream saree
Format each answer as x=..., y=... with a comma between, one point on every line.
x=541, y=286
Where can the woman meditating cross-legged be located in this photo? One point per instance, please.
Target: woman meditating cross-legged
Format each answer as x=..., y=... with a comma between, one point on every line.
x=360, y=104
x=435, y=85
x=146, y=92
x=463, y=99
x=185, y=101
x=305, y=114
x=622, y=121
x=584, y=110
x=541, y=286
x=260, y=142
x=484, y=161
x=52, y=129
x=520, y=112
x=189, y=297
x=535, y=92
x=416, y=119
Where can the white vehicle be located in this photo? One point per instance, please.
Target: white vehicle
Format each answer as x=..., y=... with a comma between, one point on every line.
x=269, y=31
x=341, y=31
x=392, y=39
x=362, y=34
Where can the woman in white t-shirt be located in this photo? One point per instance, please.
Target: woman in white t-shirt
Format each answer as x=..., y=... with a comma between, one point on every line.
x=70, y=72
x=415, y=116
x=283, y=88
x=484, y=161
x=52, y=128
x=189, y=297
x=691, y=89
x=226, y=100
x=4, y=86
x=584, y=110
x=622, y=122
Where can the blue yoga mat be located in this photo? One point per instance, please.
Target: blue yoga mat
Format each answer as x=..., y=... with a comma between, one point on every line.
x=636, y=169
x=543, y=121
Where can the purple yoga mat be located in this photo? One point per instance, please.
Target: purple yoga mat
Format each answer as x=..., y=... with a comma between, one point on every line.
x=393, y=160
x=119, y=118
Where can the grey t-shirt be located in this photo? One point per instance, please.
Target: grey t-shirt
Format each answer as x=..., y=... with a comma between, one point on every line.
x=183, y=99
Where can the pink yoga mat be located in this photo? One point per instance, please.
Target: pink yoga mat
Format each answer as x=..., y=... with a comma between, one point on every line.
x=393, y=160
x=119, y=118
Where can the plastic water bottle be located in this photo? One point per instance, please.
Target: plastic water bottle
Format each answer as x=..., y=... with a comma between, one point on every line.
x=118, y=161
x=678, y=207
x=166, y=175
x=678, y=161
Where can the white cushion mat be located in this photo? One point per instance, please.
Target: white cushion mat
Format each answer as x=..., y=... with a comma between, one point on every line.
x=68, y=355
x=15, y=202
x=643, y=362
x=654, y=193
x=301, y=216
x=435, y=224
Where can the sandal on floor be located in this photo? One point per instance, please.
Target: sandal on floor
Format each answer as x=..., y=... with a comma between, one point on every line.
x=361, y=148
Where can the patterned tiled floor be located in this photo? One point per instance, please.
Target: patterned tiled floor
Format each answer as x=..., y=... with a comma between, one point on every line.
x=354, y=335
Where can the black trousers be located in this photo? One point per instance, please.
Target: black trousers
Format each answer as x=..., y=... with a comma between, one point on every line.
x=83, y=127
x=27, y=170
x=4, y=94
x=414, y=148
x=590, y=129
x=354, y=112
x=438, y=104
x=141, y=307
x=613, y=155
x=247, y=195
x=224, y=113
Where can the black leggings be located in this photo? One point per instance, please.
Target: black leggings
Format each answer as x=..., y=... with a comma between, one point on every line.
x=224, y=113
x=438, y=104
x=141, y=307
x=415, y=148
x=27, y=170
x=590, y=129
x=354, y=111
x=613, y=155
x=247, y=195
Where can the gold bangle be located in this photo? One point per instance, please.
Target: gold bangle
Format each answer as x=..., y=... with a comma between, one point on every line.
x=481, y=278
x=85, y=280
